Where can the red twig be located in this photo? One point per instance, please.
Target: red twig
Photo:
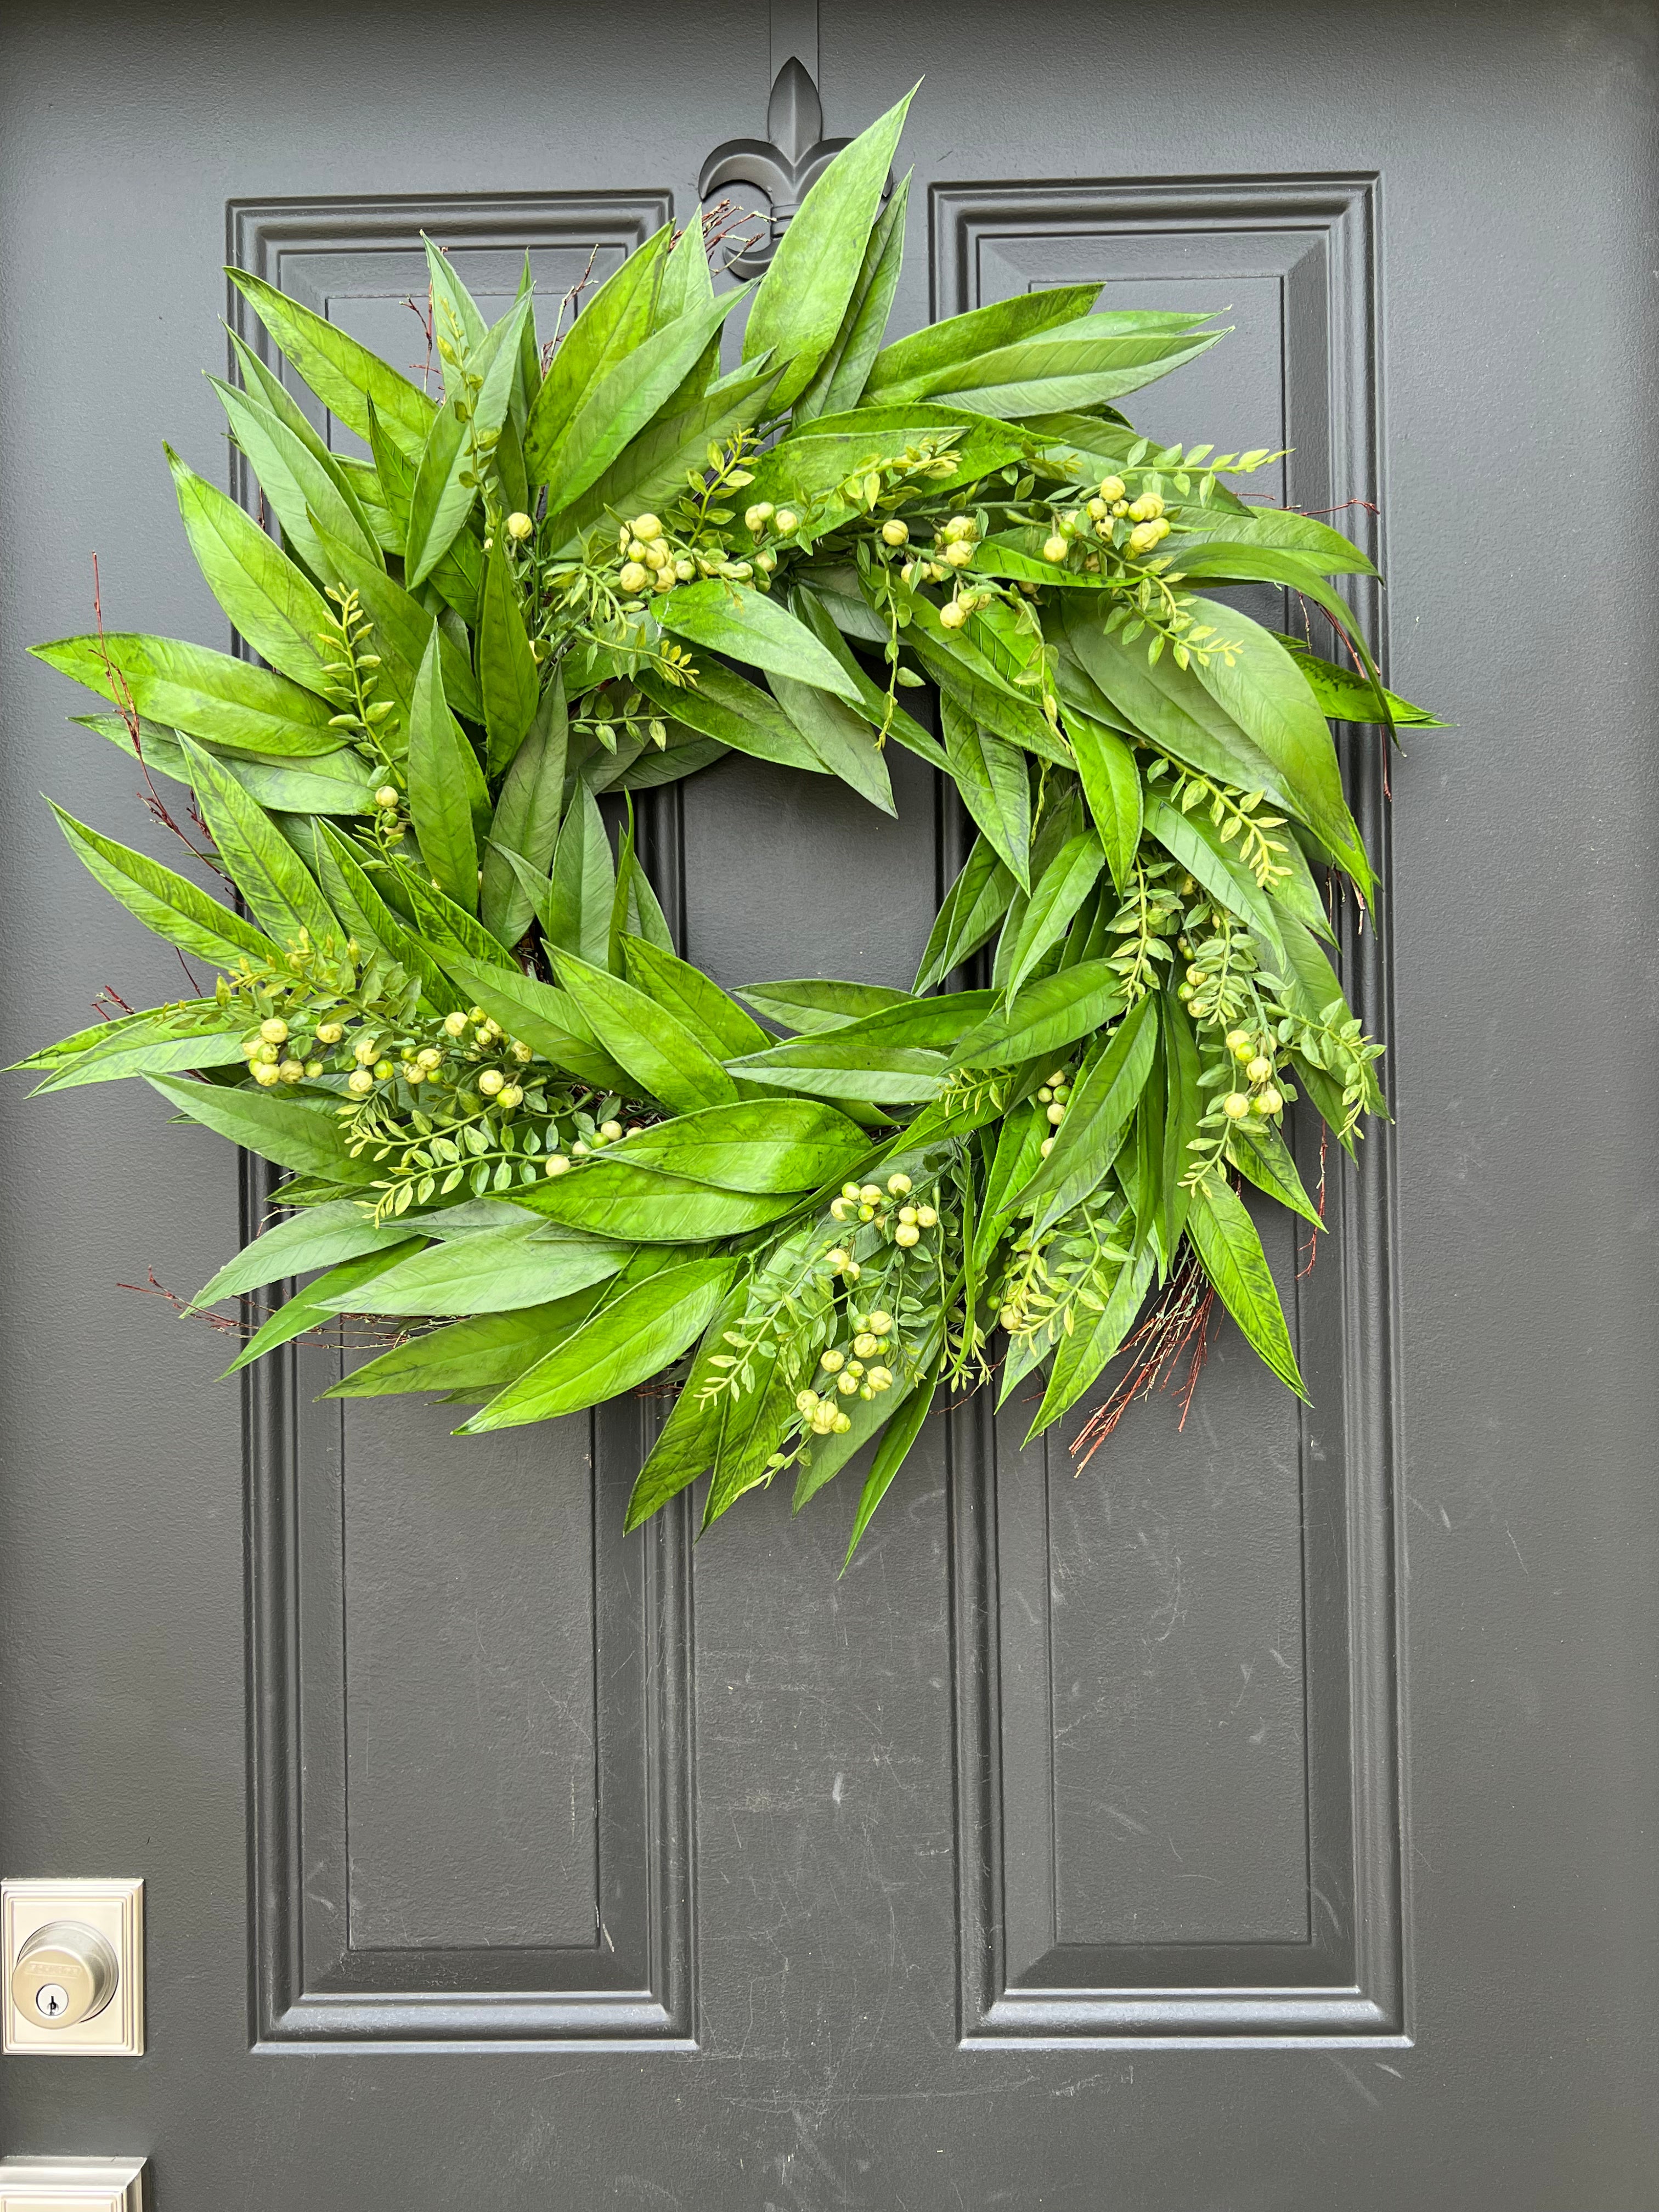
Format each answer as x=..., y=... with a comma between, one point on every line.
x=1178, y=1324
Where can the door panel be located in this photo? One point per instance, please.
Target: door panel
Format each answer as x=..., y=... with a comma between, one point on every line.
x=1262, y=1818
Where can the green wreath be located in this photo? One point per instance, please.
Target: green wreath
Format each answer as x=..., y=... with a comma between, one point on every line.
x=550, y=1158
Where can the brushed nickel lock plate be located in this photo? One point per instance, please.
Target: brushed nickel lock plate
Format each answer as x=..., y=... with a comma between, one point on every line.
x=73, y=1958
x=72, y=2185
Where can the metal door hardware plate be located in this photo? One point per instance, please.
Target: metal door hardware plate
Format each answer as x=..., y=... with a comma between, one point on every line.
x=72, y=2185
x=73, y=1983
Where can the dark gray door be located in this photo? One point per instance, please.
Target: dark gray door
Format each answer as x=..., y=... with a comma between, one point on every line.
x=1267, y=1818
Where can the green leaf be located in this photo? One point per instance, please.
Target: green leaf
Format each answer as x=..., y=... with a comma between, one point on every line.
x=973, y=907
x=762, y=1145
x=686, y=283
x=267, y=871
x=366, y=914
x=972, y=680
x=840, y=378
x=322, y=1302
x=728, y=708
x=498, y=1270
x=1269, y=699
x=1077, y=364
x=842, y=1064
x=1101, y=1109
x=1111, y=784
x=314, y=1237
x=813, y=1005
x=804, y=296
x=440, y=501
x=327, y=783
x=693, y=1000
x=206, y=695
x=526, y=820
x=1269, y=529
x=455, y=311
x=1346, y=696
x=267, y=598
x=660, y=1052
x=684, y=1450
x=345, y=375
x=439, y=788
x=508, y=676
x=904, y=1425
x=630, y=1338
x=628, y=397
x=404, y=629
x=547, y=1018
x=302, y=486
x=1064, y=884
x=752, y=1426
x=161, y=1041
x=1183, y=1109
x=1023, y=1132
x=1054, y=1011
x=992, y=776
x=610, y=326
x=1190, y=839
x=1262, y=1156
x=605, y=1197
x=1080, y=1357
x=1223, y=1236
x=575, y=910
x=734, y=618
x=166, y=903
x=909, y=366
x=650, y=471
x=282, y=1129
x=873, y=704
x=474, y=1357
x=841, y=738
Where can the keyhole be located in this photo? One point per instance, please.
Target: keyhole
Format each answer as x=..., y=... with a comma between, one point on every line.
x=51, y=2000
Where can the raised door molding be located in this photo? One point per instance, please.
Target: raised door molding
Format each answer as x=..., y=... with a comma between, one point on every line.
x=1081, y=1917
x=471, y=1740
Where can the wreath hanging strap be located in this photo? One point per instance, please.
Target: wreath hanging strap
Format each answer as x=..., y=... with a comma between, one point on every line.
x=546, y=1157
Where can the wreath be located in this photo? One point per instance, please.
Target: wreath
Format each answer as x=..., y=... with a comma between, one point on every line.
x=550, y=1159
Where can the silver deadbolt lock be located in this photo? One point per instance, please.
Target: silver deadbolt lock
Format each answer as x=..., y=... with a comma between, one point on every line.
x=72, y=1969
x=65, y=1972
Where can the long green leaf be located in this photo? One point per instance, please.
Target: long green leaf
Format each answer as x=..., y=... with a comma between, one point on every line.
x=268, y=600
x=303, y=488
x=325, y=783
x=314, y=1237
x=1224, y=1237
x=630, y=1339
x=798, y=308
x=610, y=326
x=841, y=738
x=167, y=903
x=403, y=627
x=903, y=1426
x=973, y=907
x=1192, y=840
x=760, y=1145
x=840, y=378
x=268, y=872
x=1100, y=1112
x=730, y=709
x=497, y=1271
x=322, y=1302
x=910, y=364
x=991, y=775
x=547, y=1018
x=508, y=676
x=660, y=1052
x=1080, y=1357
x=575, y=910
x=737, y=619
x=161, y=1041
x=605, y=1197
x=652, y=470
x=813, y=1004
x=280, y=1129
x=1065, y=883
x=345, y=375
x=693, y=999
x=447, y=480
x=1053, y=1012
x=440, y=787
x=205, y=694
x=526, y=820
x=1111, y=784
x=475, y=1356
